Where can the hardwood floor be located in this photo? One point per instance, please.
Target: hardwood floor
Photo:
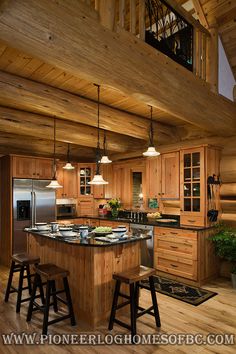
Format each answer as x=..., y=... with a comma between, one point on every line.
x=217, y=315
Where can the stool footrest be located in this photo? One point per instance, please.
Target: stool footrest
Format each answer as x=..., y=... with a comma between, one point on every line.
x=144, y=311
x=122, y=304
x=57, y=292
x=65, y=317
x=124, y=295
x=142, y=286
x=62, y=300
x=122, y=324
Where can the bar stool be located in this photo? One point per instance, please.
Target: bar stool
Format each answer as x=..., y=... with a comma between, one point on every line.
x=133, y=278
x=51, y=273
x=20, y=263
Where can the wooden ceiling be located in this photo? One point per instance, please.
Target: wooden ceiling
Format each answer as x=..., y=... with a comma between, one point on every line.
x=221, y=13
x=27, y=106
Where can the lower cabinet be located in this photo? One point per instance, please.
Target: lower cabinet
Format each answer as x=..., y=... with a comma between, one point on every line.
x=185, y=254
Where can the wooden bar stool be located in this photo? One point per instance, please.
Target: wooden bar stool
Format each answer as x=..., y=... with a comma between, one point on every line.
x=20, y=263
x=133, y=278
x=51, y=273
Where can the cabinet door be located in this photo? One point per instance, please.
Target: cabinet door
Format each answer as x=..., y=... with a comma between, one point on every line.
x=122, y=185
x=23, y=167
x=86, y=206
x=70, y=183
x=153, y=180
x=99, y=191
x=170, y=175
x=43, y=168
x=85, y=175
x=108, y=176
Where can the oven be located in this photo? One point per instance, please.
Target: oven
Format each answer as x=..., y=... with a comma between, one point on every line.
x=66, y=210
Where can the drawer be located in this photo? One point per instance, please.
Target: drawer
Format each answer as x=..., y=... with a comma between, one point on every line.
x=183, y=267
x=183, y=247
x=190, y=220
x=169, y=232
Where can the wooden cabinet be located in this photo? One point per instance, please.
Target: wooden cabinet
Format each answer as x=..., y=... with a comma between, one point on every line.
x=170, y=175
x=122, y=184
x=85, y=206
x=29, y=167
x=91, y=222
x=153, y=177
x=186, y=255
x=68, y=179
x=85, y=175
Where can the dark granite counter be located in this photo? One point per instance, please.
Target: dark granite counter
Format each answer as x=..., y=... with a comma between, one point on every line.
x=175, y=225
x=90, y=241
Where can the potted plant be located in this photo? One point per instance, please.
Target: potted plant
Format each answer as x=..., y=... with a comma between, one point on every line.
x=115, y=205
x=225, y=247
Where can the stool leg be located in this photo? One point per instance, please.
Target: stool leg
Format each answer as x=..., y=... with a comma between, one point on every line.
x=9, y=281
x=19, y=295
x=136, y=298
x=32, y=297
x=29, y=279
x=114, y=305
x=69, y=301
x=154, y=302
x=46, y=308
x=55, y=307
x=40, y=286
x=132, y=309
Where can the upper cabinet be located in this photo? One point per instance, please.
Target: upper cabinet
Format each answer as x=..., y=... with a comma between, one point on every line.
x=68, y=180
x=85, y=175
x=170, y=175
x=153, y=177
x=28, y=167
x=105, y=191
x=196, y=165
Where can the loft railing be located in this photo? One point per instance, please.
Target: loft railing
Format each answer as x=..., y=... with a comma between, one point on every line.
x=162, y=24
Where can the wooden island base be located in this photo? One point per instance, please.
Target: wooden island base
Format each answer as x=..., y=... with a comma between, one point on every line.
x=91, y=270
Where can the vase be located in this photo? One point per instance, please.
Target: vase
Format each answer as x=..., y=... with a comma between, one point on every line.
x=114, y=213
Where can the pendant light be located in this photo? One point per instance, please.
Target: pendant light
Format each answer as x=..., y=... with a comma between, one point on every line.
x=54, y=183
x=68, y=165
x=105, y=158
x=98, y=179
x=151, y=151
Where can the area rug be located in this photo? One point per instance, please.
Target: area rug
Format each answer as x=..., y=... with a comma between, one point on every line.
x=183, y=292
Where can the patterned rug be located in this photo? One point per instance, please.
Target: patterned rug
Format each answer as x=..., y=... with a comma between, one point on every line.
x=183, y=292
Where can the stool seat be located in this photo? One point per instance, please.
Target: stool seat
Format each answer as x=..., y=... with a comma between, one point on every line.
x=51, y=271
x=24, y=258
x=135, y=274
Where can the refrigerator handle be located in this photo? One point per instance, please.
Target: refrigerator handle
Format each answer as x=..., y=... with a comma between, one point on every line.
x=35, y=215
x=32, y=209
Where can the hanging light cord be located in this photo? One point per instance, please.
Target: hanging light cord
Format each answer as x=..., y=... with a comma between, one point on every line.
x=54, y=149
x=104, y=142
x=98, y=152
x=68, y=154
x=151, y=143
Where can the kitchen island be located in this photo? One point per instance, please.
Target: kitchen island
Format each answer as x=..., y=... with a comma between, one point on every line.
x=91, y=264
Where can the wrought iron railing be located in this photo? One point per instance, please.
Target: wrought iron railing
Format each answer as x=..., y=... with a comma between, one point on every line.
x=169, y=32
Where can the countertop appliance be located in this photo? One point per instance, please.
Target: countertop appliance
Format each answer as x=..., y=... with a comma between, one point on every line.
x=147, y=256
x=32, y=202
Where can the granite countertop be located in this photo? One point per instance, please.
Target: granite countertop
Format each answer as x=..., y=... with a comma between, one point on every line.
x=90, y=241
x=175, y=225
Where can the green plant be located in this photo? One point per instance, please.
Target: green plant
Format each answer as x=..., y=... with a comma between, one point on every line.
x=225, y=244
x=114, y=203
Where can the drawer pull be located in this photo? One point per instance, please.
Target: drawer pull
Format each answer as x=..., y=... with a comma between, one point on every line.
x=192, y=220
x=175, y=247
x=173, y=233
x=174, y=266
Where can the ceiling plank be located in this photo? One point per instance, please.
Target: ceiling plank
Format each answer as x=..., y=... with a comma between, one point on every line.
x=35, y=125
x=117, y=60
x=200, y=13
x=17, y=92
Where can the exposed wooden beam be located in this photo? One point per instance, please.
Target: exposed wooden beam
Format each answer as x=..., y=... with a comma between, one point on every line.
x=25, y=145
x=35, y=97
x=35, y=125
x=199, y=11
x=119, y=60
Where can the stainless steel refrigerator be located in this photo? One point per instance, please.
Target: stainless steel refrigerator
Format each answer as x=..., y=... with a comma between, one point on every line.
x=32, y=202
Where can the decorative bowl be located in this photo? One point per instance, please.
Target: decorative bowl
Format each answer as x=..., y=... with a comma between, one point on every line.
x=42, y=226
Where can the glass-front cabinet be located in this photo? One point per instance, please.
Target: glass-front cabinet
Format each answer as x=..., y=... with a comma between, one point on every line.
x=193, y=196
x=85, y=175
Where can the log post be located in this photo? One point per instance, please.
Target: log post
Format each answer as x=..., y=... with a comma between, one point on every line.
x=106, y=9
x=142, y=13
x=133, y=16
x=212, y=59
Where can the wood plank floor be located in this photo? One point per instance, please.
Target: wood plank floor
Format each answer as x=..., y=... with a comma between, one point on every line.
x=217, y=315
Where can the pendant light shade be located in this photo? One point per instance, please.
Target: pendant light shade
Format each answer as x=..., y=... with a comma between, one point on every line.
x=151, y=151
x=68, y=165
x=54, y=183
x=105, y=158
x=98, y=179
